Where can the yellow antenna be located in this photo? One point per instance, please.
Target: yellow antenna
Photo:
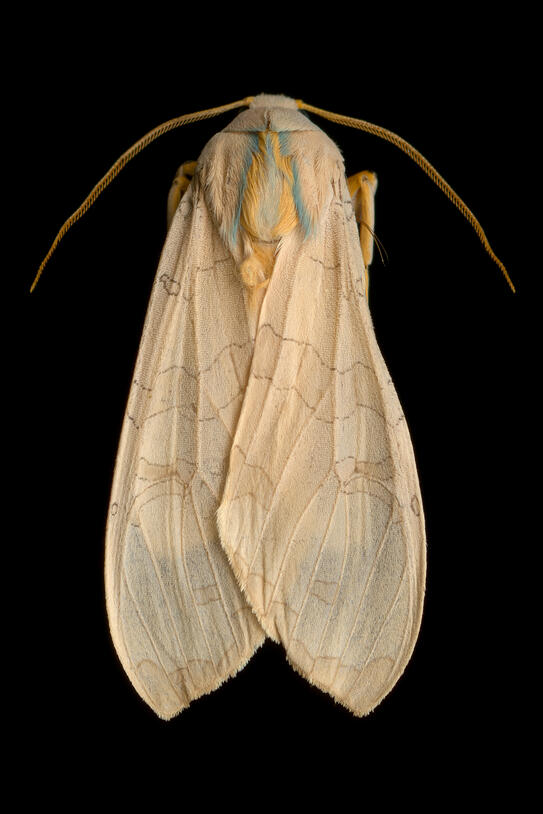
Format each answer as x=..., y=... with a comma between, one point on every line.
x=425, y=165
x=123, y=161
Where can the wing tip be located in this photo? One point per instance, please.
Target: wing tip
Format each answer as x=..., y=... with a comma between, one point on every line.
x=359, y=711
x=169, y=709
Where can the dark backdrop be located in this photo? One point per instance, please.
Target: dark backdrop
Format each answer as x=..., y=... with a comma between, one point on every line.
x=451, y=332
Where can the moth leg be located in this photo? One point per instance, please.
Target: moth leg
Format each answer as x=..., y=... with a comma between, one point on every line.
x=362, y=188
x=179, y=186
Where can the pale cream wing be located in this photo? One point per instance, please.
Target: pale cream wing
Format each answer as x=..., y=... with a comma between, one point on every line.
x=177, y=616
x=321, y=514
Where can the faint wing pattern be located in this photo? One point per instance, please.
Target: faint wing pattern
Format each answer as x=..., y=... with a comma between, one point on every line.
x=321, y=515
x=177, y=616
x=265, y=481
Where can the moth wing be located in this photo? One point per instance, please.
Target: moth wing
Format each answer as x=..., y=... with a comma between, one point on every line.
x=321, y=514
x=178, y=619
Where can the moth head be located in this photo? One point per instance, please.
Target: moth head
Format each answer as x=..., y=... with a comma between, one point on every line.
x=267, y=175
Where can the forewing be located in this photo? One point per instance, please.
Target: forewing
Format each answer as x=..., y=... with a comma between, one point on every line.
x=178, y=618
x=321, y=515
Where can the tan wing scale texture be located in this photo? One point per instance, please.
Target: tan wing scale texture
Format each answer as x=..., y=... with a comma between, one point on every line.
x=268, y=415
x=321, y=512
x=178, y=618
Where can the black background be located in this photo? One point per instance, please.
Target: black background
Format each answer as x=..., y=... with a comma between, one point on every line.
x=453, y=335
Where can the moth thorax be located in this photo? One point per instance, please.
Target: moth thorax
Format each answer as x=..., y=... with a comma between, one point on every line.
x=268, y=208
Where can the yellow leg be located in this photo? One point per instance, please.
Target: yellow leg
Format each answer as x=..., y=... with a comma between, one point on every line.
x=179, y=186
x=362, y=188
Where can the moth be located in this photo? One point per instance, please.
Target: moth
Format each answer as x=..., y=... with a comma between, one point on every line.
x=265, y=482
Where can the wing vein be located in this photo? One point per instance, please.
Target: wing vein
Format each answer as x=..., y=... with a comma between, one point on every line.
x=163, y=592
x=198, y=441
x=291, y=538
x=159, y=660
x=362, y=595
x=217, y=582
x=289, y=456
x=317, y=561
x=340, y=580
